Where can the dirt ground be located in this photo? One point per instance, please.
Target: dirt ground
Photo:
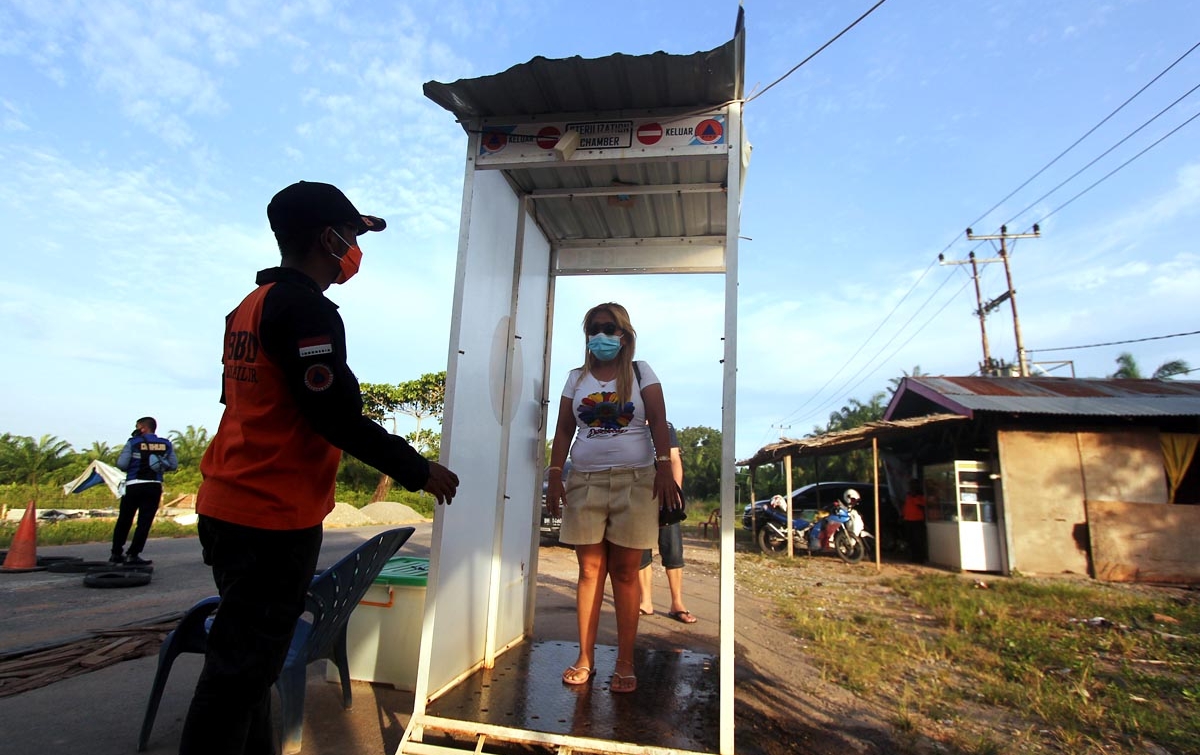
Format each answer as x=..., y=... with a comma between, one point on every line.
x=783, y=703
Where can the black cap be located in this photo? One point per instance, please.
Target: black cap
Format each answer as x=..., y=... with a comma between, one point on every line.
x=308, y=204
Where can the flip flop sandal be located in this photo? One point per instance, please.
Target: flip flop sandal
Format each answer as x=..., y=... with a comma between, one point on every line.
x=645, y=613
x=622, y=680
x=569, y=677
x=683, y=617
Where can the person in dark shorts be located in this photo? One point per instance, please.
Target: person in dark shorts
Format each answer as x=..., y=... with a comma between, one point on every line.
x=670, y=551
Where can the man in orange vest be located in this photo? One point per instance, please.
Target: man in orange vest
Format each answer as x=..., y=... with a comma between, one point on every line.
x=292, y=406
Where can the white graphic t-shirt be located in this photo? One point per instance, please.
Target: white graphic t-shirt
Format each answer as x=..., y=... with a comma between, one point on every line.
x=611, y=434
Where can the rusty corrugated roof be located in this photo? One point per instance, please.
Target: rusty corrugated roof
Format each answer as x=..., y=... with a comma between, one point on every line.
x=1094, y=397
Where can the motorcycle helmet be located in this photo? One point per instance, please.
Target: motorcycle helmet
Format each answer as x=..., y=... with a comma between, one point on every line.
x=850, y=497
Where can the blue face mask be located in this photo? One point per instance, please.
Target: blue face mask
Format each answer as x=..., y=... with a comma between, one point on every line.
x=604, y=347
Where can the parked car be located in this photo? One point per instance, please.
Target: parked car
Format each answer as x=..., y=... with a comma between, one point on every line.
x=551, y=523
x=807, y=500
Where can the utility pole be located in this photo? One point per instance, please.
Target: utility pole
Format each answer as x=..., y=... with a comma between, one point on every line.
x=1010, y=294
x=986, y=366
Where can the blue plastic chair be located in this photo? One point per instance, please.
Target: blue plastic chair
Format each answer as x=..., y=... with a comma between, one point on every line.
x=320, y=633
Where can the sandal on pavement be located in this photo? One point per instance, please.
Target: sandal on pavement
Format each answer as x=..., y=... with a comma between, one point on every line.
x=622, y=683
x=683, y=617
x=644, y=612
x=571, y=675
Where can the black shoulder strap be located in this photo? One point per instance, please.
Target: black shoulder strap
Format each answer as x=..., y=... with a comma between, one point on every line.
x=637, y=374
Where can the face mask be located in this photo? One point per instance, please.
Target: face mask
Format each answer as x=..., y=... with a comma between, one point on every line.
x=604, y=347
x=349, y=262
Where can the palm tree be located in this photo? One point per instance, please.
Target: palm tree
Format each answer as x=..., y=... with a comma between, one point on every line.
x=1127, y=368
x=1168, y=370
x=27, y=460
x=190, y=445
x=100, y=451
x=894, y=383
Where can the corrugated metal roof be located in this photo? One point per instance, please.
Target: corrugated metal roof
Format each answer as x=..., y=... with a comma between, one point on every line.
x=618, y=83
x=1061, y=396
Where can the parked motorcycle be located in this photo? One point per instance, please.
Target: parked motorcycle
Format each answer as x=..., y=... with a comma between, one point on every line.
x=849, y=539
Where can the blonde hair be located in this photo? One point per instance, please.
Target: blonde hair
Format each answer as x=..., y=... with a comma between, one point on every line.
x=624, y=357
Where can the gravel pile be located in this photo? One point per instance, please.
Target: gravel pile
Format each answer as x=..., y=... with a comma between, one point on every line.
x=390, y=512
x=381, y=512
x=345, y=515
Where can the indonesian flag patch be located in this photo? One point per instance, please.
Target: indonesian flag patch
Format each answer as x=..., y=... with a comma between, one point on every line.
x=315, y=347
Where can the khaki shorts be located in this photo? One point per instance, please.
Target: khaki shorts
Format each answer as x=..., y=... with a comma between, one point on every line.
x=616, y=505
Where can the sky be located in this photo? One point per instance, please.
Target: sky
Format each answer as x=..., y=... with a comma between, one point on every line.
x=141, y=141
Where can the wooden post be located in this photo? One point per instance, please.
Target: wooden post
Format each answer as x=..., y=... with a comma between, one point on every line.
x=878, y=523
x=787, y=471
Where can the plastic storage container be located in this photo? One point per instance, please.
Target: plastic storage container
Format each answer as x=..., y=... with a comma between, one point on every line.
x=383, y=637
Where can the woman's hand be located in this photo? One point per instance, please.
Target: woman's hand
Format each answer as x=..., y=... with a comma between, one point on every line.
x=556, y=495
x=666, y=492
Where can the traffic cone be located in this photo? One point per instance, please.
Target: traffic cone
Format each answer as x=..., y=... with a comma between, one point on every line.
x=22, y=553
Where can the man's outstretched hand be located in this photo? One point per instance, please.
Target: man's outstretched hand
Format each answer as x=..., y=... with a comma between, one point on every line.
x=442, y=483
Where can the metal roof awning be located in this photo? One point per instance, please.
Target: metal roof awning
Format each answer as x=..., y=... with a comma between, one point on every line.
x=624, y=159
x=848, y=440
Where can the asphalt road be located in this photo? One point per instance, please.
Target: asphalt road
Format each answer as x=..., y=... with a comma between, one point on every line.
x=46, y=608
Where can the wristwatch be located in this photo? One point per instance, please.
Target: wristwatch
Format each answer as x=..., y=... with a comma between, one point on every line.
x=662, y=458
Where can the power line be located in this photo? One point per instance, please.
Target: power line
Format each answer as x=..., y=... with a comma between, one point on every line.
x=1118, y=343
x=1107, y=151
x=1108, y=175
x=815, y=395
x=1086, y=135
x=910, y=338
x=882, y=322
x=815, y=54
x=843, y=389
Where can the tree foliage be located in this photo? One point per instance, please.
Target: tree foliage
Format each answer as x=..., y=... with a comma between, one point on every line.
x=894, y=383
x=101, y=451
x=1128, y=368
x=700, y=450
x=421, y=399
x=25, y=460
x=190, y=445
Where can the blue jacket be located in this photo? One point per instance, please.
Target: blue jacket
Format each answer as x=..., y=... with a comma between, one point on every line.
x=145, y=457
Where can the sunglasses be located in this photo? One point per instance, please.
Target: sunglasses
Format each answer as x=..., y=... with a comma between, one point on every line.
x=607, y=328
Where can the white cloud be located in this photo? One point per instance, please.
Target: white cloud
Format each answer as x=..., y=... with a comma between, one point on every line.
x=12, y=118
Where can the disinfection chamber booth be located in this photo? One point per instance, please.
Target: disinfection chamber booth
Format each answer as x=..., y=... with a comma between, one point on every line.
x=616, y=165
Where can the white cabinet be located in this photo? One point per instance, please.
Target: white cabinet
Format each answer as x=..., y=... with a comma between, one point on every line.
x=960, y=516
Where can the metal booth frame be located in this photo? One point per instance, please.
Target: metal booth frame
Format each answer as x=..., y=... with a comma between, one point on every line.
x=615, y=165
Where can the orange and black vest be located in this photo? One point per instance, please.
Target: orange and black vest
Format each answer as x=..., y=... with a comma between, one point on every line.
x=291, y=406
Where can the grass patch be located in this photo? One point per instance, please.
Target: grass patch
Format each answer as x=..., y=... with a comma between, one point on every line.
x=98, y=530
x=1095, y=667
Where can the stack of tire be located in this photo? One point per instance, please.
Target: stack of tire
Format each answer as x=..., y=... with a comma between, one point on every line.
x=102, y=574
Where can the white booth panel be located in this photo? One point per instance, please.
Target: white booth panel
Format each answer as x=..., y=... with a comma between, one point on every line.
x=494, y=437
x=473, y=433
x=527, y=445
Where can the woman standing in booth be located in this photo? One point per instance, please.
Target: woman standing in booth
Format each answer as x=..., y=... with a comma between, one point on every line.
x=614, y=408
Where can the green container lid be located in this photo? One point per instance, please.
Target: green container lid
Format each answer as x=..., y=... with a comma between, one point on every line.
x=405, y=571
